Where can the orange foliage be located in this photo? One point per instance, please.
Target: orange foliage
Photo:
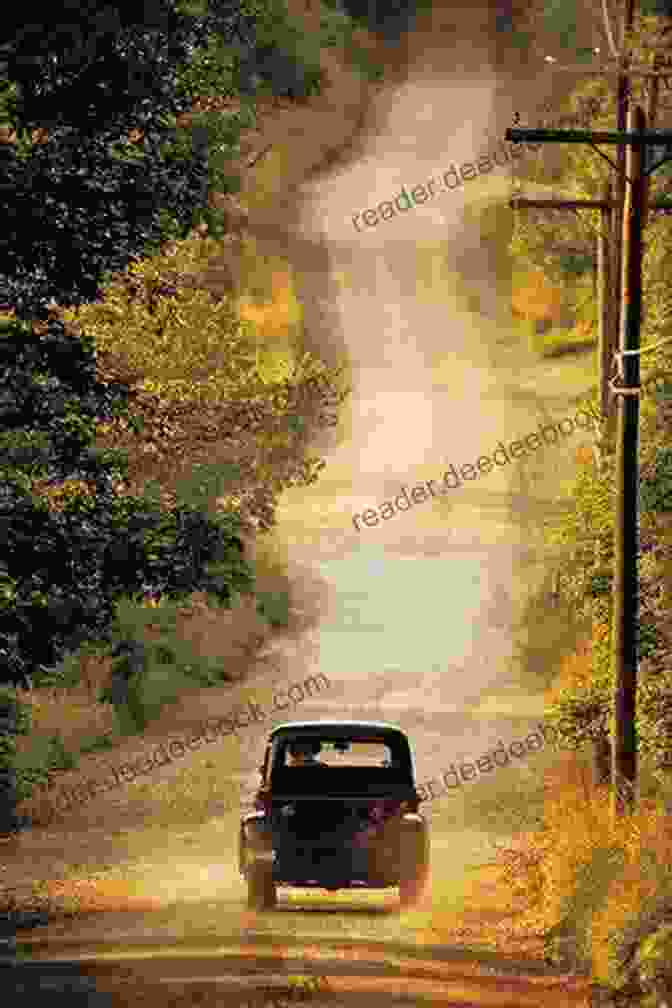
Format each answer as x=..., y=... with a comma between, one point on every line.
x=536, y=298
x=584, y=455
x=576, y=669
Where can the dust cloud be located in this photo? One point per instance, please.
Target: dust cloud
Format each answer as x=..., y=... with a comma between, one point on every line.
x=416, y=614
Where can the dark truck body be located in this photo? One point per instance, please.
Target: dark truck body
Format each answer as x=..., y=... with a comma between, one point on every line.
x=335, y=827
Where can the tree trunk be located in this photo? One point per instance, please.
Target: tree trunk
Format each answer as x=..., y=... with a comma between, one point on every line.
x=601, y=762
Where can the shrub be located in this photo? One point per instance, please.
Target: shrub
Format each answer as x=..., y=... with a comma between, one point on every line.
x=274, y=607
x=656, y=488
x=36, y=765
x=95, y=745
x=239, y=423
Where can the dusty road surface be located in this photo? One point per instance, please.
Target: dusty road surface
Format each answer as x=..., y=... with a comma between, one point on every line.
x=346, y=975
x=413, y=615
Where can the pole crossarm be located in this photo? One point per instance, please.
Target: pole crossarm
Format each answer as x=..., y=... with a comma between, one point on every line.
x=521, y=202
x=624, y=138
x=629, y=138
x=636, y=71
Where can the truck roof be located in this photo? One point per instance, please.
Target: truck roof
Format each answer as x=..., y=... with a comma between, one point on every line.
x=341, y=727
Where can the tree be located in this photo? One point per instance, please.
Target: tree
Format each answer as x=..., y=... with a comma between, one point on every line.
x=210, y=397
x=94, y=169
x=77, y=198
x=69, y=544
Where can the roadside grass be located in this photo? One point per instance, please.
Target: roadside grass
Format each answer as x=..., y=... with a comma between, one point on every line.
x=560, y=341
x=188, y=646
x=273, y=586
x=263, y=183
x=194, y=807
x=547, y=624
x=191, y=797
x=483, y=908
x=596, y=889
x=582, y=892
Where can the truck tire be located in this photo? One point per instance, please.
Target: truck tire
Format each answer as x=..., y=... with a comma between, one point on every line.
x=414, y=887
x=413, y=870
x=262, y=891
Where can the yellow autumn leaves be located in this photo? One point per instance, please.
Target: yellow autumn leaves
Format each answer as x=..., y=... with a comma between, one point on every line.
x=182, y=343
x=217, y=379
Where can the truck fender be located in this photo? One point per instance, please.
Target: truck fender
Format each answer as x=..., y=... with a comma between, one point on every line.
x=255, y=840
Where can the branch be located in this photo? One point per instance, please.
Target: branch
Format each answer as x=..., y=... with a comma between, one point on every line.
x=608, y=31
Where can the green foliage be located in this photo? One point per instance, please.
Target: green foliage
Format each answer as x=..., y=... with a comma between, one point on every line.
x=559, y=243
x=14, y=720
x=337, y=29
x=61, y=759
x=102, y=742
x=336, y=26
x=558, y=342
x=639, y=951
x=171, y=671
x=205, y=483
x=389, y=18
x=283, y=61
x=172, y=666
x=563, y=247
x=586, y=895
x=654, y=961
x=505, y=804
x=89, y=86
x=582, y=712
x=36, y=766
x=115, y=545
x=14, y=715
x=577, y=263
x=547, y=631
x=648, y=639
x=210, y=72
x=663, y=393
x=656, y=488
x=274, y=607
x=600, y=584
x=560, y=19
x=96, y=190
x=590, y=522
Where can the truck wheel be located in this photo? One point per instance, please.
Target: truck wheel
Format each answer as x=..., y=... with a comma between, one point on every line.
x=261, y=889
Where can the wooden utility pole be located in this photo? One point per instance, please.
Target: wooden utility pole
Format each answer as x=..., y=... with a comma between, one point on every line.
x=622, y=100
x=624, y=70
x=651, y=115
x=605, y=315
x=625, y=621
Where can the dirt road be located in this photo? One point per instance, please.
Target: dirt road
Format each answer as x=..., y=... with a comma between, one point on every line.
x=415, y=615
